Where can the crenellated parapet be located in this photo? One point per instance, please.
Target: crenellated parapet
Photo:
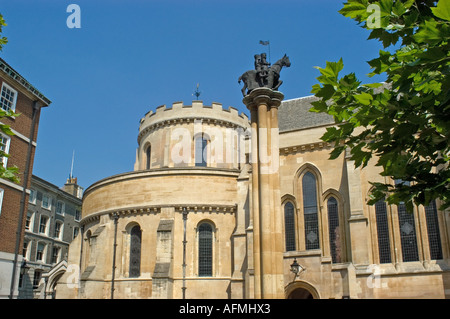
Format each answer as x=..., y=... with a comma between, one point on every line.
x=213, y=114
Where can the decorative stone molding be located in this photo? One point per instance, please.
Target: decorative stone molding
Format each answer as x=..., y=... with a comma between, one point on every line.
x=156, y=209
x=304, y=148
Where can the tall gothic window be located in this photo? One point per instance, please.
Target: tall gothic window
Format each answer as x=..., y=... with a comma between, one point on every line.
x=384, y=247
x=407, y=234
x=205, y=245
x=135, y=251
x=310, y=211
x=434, y=237
x=148, y=153
x=407, y=226
x=200, y=151
x=289, y=226
x=333, y=225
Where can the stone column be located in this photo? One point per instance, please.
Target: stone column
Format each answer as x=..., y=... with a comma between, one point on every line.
x=358, y=222
x=268, y=245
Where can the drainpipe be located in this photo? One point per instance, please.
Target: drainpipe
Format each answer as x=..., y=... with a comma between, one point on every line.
x=185, y=213
x=36, y=108
x=116, y=218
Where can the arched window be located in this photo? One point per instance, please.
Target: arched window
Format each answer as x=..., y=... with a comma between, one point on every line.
x=200, y=151
x=407, y=234
x=135, y=251
x=148, y=153
x=310, y=211
x=205, y=246
x=289, y=226
x=407, y=226
x=333, y=225
x=384, y=247
x=434, y=236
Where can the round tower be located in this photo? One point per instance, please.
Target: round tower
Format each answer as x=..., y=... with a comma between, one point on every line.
x=175, y=226
x=192, y=135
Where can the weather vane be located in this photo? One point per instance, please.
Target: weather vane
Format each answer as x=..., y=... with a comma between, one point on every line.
x=197, y=92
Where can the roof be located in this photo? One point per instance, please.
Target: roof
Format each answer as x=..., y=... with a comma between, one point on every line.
x=14, y=75
x=294, y=114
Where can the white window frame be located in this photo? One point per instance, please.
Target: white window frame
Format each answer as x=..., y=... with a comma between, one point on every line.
x=77, y=215
x=49, y=202
x=46, y=224
x=61, y=229
x=58, y=256
x=31, y=223
x=44, y=251
x=32, y=196
x=13, y=106
x=4, y=160
x=63, y=207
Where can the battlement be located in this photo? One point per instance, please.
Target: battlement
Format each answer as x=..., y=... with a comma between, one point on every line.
x=180, y=112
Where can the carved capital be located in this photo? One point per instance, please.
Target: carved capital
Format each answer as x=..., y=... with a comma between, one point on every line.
x=265, y=96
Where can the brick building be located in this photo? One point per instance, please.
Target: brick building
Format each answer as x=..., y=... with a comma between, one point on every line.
x=18, y=95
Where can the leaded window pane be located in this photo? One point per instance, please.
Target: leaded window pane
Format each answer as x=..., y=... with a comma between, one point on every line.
x=205, y=237
x=310, y=211
x=434, y=237
x=407, y=234
x=289, y=226
x=135, y=252
x=333, y=222
x=384, y=246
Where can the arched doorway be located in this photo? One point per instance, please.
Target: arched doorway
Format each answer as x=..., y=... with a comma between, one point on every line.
x=300, y=293
x=301, y=290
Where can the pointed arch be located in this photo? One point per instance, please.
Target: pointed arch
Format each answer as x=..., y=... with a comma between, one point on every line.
x=335, y=224
x=307, y=187
x=134, y=232
x=146, y=156
x=205, y=237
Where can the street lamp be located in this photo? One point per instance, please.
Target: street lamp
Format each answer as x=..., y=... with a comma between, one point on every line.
x=296, y=268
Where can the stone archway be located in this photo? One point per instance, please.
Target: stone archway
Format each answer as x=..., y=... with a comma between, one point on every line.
x=301, y=290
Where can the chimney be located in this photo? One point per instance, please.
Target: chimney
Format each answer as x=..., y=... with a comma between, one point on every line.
x=73, y=188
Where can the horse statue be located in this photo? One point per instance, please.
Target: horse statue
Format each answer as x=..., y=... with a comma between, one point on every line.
x=271, y=79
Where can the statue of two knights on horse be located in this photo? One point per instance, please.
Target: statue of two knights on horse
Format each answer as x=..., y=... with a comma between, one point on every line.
x=264, y=75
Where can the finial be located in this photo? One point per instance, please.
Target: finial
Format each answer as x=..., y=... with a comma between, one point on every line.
x=197, y=92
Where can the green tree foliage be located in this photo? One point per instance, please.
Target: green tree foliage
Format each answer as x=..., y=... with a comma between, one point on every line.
x=404, y=123
x=3, y=40
x=10, y=173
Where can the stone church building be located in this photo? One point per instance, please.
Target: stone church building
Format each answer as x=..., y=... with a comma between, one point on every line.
x=186, y=223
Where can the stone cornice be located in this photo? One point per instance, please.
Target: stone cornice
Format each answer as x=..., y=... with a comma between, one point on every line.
x=310, y=147
x=156, y=209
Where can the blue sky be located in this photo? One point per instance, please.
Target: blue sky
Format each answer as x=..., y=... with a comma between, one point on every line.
x=131, y=56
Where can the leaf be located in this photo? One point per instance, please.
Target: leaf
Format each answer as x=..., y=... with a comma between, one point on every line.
x=319, y=106
x=442, y=10
x=428, y=32
x=354, y=10
x=363, y=98
x=326, y=92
